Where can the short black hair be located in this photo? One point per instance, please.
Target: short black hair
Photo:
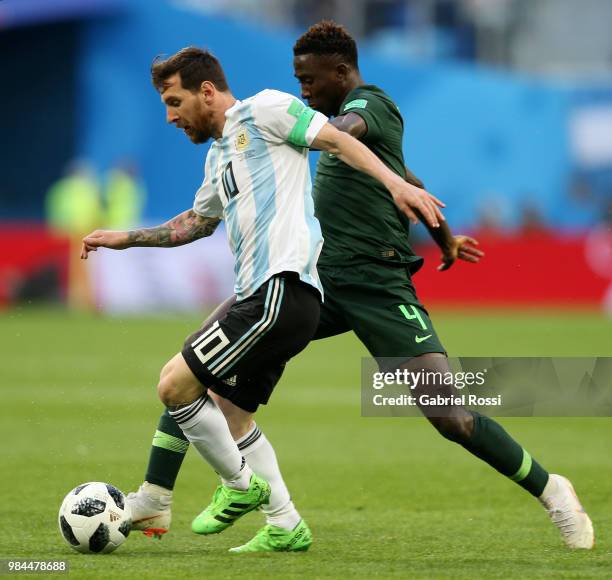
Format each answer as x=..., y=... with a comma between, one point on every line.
x=194, y=66
x=327, y=38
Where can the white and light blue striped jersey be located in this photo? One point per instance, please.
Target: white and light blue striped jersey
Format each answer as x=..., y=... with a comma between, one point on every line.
x=257, y=178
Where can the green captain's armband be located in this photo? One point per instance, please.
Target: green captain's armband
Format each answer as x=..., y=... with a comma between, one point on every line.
x=304, y=115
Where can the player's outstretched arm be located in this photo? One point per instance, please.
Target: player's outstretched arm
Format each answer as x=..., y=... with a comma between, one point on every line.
x=459, y=247
x=182, y=229
x=454, y=247
x=414, y=180
x=407, y=197
x=355, y=126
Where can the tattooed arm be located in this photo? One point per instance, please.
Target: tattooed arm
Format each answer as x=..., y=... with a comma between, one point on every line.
x=182, y=229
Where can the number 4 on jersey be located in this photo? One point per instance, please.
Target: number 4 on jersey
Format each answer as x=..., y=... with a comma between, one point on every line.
x=415, y=315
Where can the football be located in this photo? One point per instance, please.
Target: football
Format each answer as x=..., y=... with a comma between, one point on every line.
x=94, y=518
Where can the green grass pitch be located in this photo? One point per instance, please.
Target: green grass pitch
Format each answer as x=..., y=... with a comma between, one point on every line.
x=384, y=497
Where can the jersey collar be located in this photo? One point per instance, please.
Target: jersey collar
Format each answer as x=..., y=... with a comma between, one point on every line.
x=231, y=111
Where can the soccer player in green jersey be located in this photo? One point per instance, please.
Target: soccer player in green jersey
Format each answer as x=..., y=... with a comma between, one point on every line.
x=366, y=268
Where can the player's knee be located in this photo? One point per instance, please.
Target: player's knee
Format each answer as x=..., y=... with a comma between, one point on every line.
x=166, y=370
x=455, y=428
x=168, y=390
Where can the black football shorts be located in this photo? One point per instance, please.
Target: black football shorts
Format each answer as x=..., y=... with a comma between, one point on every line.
x=241, y=352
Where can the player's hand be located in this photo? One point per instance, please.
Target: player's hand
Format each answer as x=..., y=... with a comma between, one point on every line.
x=408, y=198
x=462, y=248
x=104, y=239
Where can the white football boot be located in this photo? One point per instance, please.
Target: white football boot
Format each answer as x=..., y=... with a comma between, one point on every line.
x=151, y=511
x=566, y=512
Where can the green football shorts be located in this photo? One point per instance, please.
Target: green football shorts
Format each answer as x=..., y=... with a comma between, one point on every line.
x=379, y=303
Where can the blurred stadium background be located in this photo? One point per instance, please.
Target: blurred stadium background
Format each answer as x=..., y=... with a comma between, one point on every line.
x=508, y=116
x=508, y=110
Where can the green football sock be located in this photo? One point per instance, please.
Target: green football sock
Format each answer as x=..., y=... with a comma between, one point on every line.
x=491, y=443
x=167, y=453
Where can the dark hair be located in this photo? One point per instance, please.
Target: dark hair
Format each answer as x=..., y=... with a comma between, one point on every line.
x=194, y=66
x=327, y=38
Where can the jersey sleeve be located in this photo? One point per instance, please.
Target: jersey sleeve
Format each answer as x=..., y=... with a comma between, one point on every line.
x=372, y=110
x=207, y=203
x=286, y=119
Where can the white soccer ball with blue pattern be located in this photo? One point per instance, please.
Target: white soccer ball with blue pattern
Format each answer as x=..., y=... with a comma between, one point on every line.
x=94, y=518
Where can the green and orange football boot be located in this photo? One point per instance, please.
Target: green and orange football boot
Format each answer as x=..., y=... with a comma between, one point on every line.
x=228, y=505
x=274, y=539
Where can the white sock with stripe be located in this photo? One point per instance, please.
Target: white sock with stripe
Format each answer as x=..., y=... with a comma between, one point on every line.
x=205, y=426
x=280, y=511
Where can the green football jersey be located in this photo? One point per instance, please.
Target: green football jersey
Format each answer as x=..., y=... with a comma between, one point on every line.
x=359, y=219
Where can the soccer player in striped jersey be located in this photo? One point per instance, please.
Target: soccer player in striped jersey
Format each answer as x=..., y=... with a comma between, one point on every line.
x=257, y=180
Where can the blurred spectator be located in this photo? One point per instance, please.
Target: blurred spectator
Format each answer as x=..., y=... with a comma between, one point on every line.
x=73, y=203
x=582, y=203
x=494, y=215
x=581, y=191
x=124, y=196
x=74, y=209
x=385, y=15
x=307, y=12
x=531, y=221
x=451, y=19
